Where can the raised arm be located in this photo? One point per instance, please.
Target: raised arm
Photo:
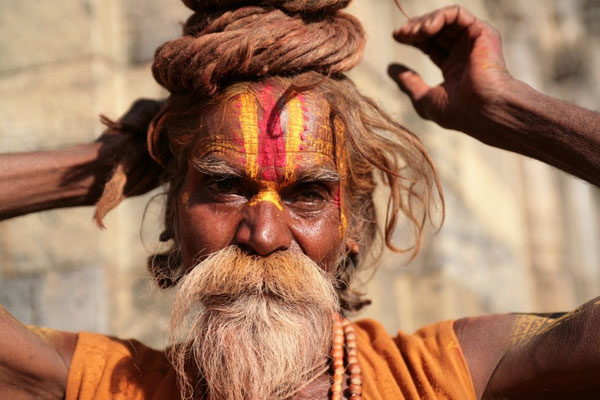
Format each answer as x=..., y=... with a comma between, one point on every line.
x=76, y=176
x=38, y=181
x=480, y=97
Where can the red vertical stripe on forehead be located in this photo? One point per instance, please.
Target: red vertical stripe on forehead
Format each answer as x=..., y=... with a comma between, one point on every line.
x=271, y=142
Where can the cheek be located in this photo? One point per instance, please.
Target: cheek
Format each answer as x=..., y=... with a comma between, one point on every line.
x=204, y=229
x=319, y=238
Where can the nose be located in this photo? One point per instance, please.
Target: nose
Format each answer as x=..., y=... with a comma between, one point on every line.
x=264, y=229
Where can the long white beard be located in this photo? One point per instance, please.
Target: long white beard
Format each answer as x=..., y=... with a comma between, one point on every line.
x=252, y=327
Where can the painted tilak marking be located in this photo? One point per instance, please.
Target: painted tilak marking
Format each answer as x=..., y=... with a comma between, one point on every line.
x=239, y=140
x=249, y=123
x=265, y=145
x=294, y=135
x=272, y=154
x=268, y=193
x=218, y=145
x=341, y=159
x=271, y=141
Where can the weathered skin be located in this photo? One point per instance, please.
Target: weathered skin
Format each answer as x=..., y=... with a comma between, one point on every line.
x=509, y=357
x=276, y=202
x=267, y=208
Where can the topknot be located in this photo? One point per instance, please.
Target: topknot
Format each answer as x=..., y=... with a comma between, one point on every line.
x=293, y=6
x=227, y=40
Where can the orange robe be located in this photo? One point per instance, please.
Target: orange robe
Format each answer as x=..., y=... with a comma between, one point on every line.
x=426, y=365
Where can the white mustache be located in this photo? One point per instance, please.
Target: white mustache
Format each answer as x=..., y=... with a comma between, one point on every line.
x=283, y=276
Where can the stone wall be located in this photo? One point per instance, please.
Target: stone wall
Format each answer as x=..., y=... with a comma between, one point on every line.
x=518, y=236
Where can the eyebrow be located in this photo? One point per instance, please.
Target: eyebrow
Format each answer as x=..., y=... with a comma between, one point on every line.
x=213, y=166
x=318, y=174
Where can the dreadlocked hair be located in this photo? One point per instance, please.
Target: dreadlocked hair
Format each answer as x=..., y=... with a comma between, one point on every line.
x=231, y=47
x=240, y=41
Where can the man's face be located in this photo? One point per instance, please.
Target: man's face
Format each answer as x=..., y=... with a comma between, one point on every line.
x=264, y=181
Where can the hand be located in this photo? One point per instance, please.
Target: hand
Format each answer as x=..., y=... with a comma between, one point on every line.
x=469, y=53
x=122, y=166
x=126, y=140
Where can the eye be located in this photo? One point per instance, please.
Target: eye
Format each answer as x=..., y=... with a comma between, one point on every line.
x=224, y=186
x=308, y=195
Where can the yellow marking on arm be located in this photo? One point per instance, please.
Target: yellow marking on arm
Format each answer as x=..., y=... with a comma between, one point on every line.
x=529, y=326
x=43, y=333
x=295, y=127
x=249, y=123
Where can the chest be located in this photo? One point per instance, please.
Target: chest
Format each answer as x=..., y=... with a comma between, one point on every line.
x=320, y=389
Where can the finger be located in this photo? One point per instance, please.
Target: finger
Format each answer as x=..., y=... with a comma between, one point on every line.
x=453, y=19
x=439, y=30
x=456, y=21
x=433, y=23
x=405, y=33
x=457, y=17
x=409, y=82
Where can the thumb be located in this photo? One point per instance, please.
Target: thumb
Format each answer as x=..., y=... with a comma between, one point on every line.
x=409, y=82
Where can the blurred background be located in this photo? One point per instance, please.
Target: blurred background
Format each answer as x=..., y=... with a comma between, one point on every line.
x=518, y=235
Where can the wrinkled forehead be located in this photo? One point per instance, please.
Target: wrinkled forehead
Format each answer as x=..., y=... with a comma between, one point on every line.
x=270, y=137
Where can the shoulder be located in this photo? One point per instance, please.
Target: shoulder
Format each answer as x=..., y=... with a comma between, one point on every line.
x=484, y=341
x=63, y=342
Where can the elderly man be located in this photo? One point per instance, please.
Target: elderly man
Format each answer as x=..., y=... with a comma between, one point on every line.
x=269, y=208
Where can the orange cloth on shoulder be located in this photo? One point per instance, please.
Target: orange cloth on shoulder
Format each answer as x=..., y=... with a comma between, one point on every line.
x=108, y=368
x=426, y=365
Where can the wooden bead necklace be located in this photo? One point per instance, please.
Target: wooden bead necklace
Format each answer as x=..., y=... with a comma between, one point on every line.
x=342, y=329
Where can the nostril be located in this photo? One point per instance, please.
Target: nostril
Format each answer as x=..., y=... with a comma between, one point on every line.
x=247, y=249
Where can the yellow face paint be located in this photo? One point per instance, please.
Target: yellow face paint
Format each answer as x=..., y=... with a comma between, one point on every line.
x=249, y=124
x=270, y=147
x=341, y=157
x=185, y=197
x=295, y=128
x=268, y=193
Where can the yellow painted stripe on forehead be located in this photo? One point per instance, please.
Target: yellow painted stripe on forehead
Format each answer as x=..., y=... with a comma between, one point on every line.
x=249, y=123
x=341, y=159
x=295, y=127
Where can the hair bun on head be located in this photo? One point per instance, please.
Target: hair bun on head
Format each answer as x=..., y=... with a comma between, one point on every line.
x=234, y=39
x=301, y=6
